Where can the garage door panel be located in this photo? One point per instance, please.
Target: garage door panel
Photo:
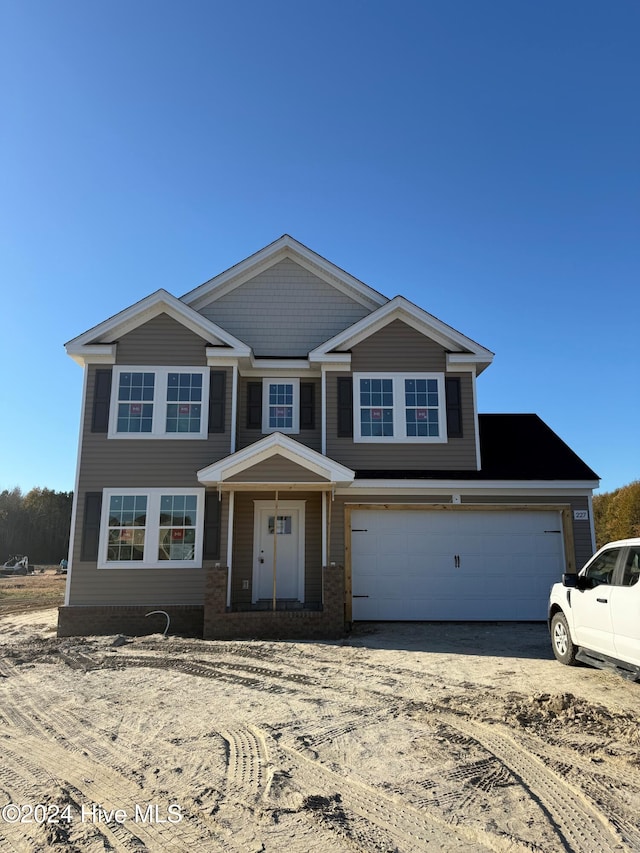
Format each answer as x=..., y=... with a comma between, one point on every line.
x=468, y=565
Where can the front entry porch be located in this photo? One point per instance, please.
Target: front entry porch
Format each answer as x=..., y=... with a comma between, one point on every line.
x=278, y=579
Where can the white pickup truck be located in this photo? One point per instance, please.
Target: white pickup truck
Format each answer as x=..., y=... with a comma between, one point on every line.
x=594, y=616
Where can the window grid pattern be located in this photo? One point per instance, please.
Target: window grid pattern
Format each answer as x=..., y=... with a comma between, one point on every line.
x=421, y=407
x=135, y=402
x=178, y=520
x=281, y=405
x=184, y=402
x=376, y=407
x=127, y=528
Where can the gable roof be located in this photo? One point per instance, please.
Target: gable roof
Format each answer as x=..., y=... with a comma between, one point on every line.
x=272, y=445
x=97, y=340
x=283, y=247
x=460, y=347
x=512, y=447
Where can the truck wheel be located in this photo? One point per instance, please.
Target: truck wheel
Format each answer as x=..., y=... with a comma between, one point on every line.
x=561, y=641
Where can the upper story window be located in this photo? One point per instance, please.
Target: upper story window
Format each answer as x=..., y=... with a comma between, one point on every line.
x=399, y=407
x=281, y=405
x=146, y=528
x=159, y=402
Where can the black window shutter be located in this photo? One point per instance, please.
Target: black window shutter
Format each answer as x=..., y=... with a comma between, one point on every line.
x=307, y=405
x=254, y=405
x=217, y=389
x=101, y=400
x=454, y=407
x=91, y=526
x=345, y=407
x=211, y=550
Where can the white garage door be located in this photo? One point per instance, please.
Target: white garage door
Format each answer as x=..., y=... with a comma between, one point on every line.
x=467, y=565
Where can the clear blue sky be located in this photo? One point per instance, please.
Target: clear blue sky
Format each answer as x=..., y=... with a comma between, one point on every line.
x=480, y=158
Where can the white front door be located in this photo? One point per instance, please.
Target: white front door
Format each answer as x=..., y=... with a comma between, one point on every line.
x=286, y=553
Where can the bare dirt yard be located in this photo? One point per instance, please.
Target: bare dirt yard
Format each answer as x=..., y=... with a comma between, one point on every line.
x=403, y=737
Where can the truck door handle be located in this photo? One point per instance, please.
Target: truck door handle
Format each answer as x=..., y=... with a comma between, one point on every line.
x=602, y=600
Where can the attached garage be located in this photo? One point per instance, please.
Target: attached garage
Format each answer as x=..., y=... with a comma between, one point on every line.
x=459, y=563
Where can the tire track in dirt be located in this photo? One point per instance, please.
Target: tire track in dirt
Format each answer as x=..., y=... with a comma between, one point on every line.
x=92, y=782
x=369, y=812
x=247, y=760
x=583, y=828
x=618, y=782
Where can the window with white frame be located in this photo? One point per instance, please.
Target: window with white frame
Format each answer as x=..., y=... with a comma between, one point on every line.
x=281, y=405
x=159, y=402
x=151, y=528
x=402, y=407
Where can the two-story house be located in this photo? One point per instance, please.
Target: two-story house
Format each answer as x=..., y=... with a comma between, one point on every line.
x=284, y=450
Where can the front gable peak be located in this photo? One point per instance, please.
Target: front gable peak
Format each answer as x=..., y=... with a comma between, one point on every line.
x=459, y=347
x=284, y=248
x=97, y=344
x=319, y=468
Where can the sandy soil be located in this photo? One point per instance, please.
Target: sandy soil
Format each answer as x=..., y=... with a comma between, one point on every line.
x=406, y=737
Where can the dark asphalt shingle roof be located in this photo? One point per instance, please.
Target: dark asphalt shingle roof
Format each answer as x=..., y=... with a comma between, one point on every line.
x=512, y=447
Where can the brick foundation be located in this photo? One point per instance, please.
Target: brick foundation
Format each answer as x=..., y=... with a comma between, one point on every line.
x=88, y=620
x=325, y=624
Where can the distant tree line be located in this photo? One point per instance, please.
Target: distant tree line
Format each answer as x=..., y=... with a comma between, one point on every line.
x=36, y=524
x=616, y=514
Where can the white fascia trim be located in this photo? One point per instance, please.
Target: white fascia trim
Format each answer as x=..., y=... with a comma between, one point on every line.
x=273, y=444
x=226, y=360
x=471, y=487
x=93, y=354
x=334, y=360
x=400, y=308
x=279, y=363
x=146, y=309
x=284, y=247
x=464, y=362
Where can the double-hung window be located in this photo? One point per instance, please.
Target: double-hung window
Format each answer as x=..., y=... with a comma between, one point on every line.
x=402, y=407
x=159, y=402
x=281, y=405
x=151, y=528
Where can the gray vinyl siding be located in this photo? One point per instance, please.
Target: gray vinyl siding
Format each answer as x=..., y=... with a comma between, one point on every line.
x=243, y=525
x=162, y=341
x=581, y=529
x=397, y=348
x=309, y=437
x=140, y=463
x=276, y=469
x=149, y=587
x=284, y=311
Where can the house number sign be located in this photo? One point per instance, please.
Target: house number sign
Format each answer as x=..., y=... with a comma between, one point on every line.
x=581, y=515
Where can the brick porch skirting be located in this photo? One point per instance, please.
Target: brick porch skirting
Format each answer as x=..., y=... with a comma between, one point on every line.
x=87, y=620
x=325, y=624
